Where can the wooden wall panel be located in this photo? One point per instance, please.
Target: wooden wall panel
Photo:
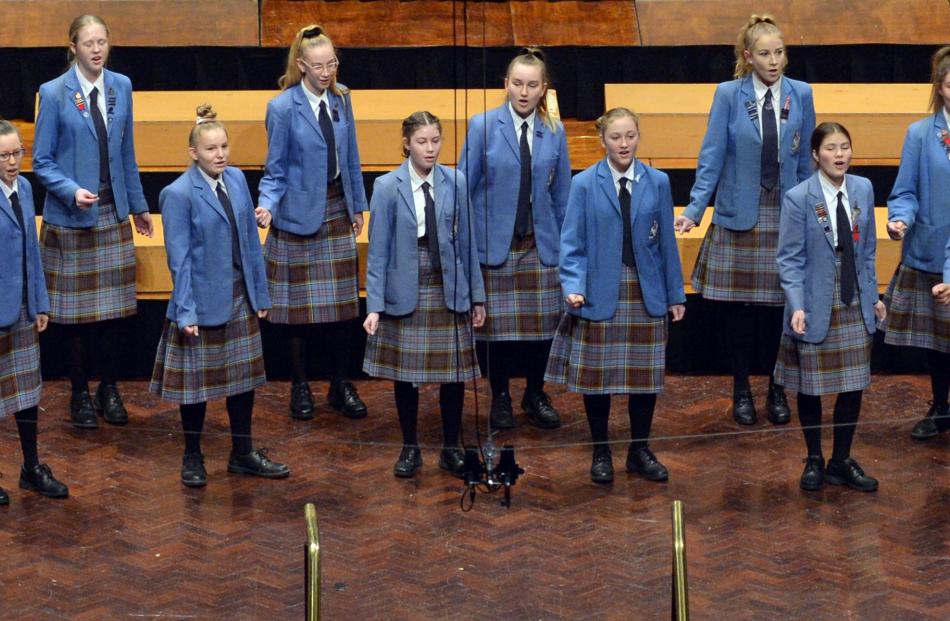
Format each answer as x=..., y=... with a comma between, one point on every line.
x=804, y=22
x=156, y=23
x=420, y=23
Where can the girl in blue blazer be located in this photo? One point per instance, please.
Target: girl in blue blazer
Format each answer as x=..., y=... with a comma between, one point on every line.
x=424, y=289
x=826, y=250
x=751, y=155
x=918, y=211
x=620, y=274
x=24, y=313
x=211, y=345
x=312, y=197
x=85, y=156
x=516, y=161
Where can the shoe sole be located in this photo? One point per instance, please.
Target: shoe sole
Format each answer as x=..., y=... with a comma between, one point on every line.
x=445, y=466
x=297, y=415
x=407, y=475
x=349, y=414
x=91, y=425
x=833, y=480
x=602, y=480
x=746, y=423
x=534, y=420
x=809, y=488
x=31, y=488
x=194, y=483
x=921, y=436
x=248, y=471
x=775, y=420
x=648, y=478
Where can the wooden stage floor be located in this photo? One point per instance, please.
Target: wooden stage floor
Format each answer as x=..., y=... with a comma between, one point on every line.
x=132, y=543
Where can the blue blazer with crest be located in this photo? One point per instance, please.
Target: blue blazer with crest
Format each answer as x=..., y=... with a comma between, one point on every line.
x=11, y=257
x=198, y=244
x=294, y=185
x=806, y=254
x=392, y=268
x=66, y=150
x=592, y=242
x=921, y=194
x=730, y=160
x=491, y=161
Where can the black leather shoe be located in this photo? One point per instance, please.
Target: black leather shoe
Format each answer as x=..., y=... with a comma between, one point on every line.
x=848, y=472
x=40, y=479
x=642, y=461
x=501, y=416
x=453, y=460
x=743, y=409
x=538, y=407
x=301, y=401
x=343, y=398
x=257, y=464
x=776, y=406
x=4, y=499
x=409, y=462
x=193, y=473
x=813, y=476
x=936, y=422
x=109, y=404
x=602, y=465
x=82, y=411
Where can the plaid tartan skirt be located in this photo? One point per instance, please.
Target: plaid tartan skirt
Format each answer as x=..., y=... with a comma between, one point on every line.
x=840, y=363
x=523, y=297
x=313, y=278
x=90, y=273
x=431, y=345
x=221, y=361
x=914, y=317
x=739, y=266
x=624, y=354
x=20, y=380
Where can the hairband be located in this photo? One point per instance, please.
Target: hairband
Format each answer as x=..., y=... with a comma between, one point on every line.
x=316, y=31
x=200, y=120
x=527, y=51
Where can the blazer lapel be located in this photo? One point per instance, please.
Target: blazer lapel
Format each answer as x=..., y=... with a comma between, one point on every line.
x=641, y=191
x=404, y=186
x=751, y=104
x=607, y=185
x=204, y=191
x=7, y=208
x=443, y=193
x=859, y=212
x=508, y=130
x=820, y=211
x=303, y=108
x=336, y=116
x=111, y=100
x=75, y=97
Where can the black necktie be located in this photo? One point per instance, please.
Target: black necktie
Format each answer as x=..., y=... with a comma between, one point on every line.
x=326, y=128
x=624, y=197
x=18, y=212
x=846, y=246
x=103, y=136
x=229, y=212
x=432, y=229
x=524, y=190
x=769, y=144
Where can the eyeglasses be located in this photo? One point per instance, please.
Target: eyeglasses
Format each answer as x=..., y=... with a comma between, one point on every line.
x=5, y=155
x=331, y=66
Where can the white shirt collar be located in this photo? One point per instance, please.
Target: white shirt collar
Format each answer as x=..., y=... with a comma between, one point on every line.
x=212, y=183
x=315, y=99
x=628, y=174
x=829, y=189
x=517, y=119
x=8, y=190
x=416, y=181
x=760, y=88
x=87, y=86
x=946, y=117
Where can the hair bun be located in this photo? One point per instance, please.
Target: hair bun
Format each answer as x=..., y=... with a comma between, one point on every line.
x=532, y=51
x=762, y=19
x=205, y=114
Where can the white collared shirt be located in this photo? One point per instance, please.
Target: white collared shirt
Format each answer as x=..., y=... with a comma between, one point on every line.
x=418, y=197
x=519, y=121
x=212, y=182
x=759, y=87
x=86, y=86
x=314, y=100
x=946, y=117
x=8, y=190
x=617, y=175
x=830, y=193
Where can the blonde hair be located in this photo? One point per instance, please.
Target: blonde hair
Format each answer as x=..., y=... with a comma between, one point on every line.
x=534, y=57
x=413, y=122
x=78, y=24
x=612, y=115
x=6, y=128
x=207, y=119
x=307, y=37
x=750, y=32
x=939, y=67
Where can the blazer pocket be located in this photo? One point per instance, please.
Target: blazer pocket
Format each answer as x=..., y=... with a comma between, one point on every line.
x=926, y=238
x=391, y=295
x=295, y=201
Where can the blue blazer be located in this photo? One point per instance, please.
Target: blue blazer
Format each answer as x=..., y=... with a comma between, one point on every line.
x=392, y=268
x=11, y=258
x=921, y=195
x=198, y=244
x=806, y=254
x=491, y=161
x=592, y=242
x=730, y=160
x=294, y=185
x=66, y=150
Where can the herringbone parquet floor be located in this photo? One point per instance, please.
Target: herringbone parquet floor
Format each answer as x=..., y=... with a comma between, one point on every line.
x=132, y=543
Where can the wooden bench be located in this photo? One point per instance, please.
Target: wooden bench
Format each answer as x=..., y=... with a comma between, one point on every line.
x=673, y=117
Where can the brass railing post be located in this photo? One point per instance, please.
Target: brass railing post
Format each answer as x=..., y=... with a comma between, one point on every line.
x=680, y=607
x=312, y=563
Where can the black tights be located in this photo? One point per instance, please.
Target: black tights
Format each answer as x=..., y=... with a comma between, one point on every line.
x=103, y=337
x=451, y=399
x=26, y=422
x=939, y=363
x=741, y=321
x=506, y=358
x=240, y=407
x=336, y=340
x=847, y=410
x=640, y=408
